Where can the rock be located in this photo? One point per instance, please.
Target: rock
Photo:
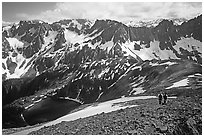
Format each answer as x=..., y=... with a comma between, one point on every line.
x=132, y=132
x=163, y=129
x=192, y=125
x=148, y=130
x=197, y=109
x=159, y=126
x=142, y=115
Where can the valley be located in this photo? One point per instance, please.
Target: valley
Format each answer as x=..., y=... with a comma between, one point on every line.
x=60, y=77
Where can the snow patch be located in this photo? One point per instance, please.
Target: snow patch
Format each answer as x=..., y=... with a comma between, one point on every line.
x=154, y=52
x=77, y=24
x=128, y=47
x=29, y=106
x=165, y=63
x=19, y=70
x=180, y=83
x=195, y=75
x=189, y=44
x=6, y=28
x=168, y=63
x=49, y=39
x=99, y=95
x=108, y=45
x=103, y=72
x=138, y=90
x=68, y=98
x=146, y=23
x=94, y=36
x=15, y=43
x=73, y=37
x=137, y=67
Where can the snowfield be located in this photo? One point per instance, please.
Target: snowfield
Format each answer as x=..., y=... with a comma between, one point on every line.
x=189, y=44
x=105, y=107
x=15, y=43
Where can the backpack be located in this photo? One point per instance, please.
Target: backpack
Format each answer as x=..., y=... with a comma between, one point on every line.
x=165, y=96
x=160, y=96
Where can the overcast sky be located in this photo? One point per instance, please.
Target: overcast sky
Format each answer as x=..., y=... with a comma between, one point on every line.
x=52, y=11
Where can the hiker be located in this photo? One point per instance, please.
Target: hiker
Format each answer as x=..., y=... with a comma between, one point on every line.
x=160, y=98
x=165, y=98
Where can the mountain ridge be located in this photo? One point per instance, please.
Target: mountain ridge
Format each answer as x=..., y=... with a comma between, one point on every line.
x=81, y=63
x=106, y=35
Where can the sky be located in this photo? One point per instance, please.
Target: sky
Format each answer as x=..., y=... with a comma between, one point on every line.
x=121, y=11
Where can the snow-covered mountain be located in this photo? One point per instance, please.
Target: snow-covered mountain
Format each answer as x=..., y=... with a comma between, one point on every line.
x=154, y=23
x=84, y=61
x=29, y=42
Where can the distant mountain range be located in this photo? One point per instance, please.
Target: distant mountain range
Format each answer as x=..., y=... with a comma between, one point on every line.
x=85, y=61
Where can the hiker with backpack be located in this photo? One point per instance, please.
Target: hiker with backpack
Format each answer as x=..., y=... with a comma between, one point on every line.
x=160, y=96
x=165, y=98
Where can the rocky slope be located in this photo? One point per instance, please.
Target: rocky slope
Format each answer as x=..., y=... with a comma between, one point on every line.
x=75, y=62
x=181, y=116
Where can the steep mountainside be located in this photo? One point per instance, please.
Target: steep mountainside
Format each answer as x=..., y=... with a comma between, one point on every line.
x=29, y=44
x=73, y=62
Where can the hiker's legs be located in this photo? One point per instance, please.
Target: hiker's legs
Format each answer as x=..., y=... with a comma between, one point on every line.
x=160, y=101
x=164, y=101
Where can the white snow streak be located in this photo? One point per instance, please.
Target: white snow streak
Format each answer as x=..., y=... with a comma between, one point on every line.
x=180, y=83
x=138, y=90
